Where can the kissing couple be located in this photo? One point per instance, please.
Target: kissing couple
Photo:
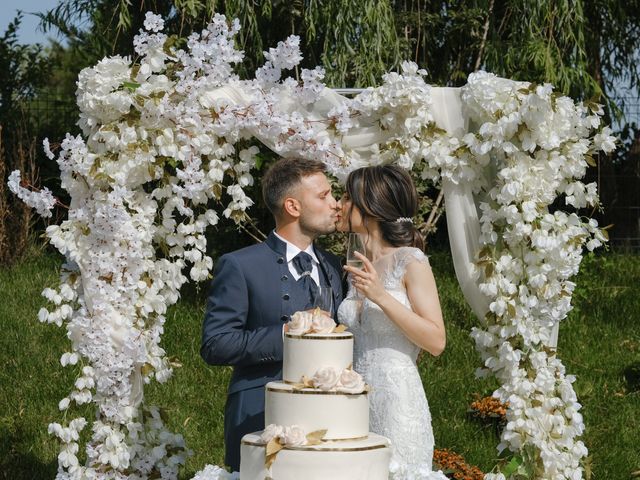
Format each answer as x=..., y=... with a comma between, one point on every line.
x=391, y=305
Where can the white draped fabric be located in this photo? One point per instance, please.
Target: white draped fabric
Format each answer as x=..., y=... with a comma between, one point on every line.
x=461, y=213
x=463, y=225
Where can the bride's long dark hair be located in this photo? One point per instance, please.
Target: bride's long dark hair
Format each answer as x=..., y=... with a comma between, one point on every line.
x=386, y=194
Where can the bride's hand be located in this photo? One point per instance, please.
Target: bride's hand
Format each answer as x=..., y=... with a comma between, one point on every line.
x=366, y=280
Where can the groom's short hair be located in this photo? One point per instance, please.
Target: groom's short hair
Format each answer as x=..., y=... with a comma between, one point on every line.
x=283, y=176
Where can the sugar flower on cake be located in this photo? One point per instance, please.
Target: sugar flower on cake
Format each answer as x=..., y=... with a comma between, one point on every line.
x=322, y=323
x=271, y=431
x=332, y=379
x=287, y=436
x=326, y=378
x=293, y=436
x=300, y=323
x=304, y=322
x=350, y=381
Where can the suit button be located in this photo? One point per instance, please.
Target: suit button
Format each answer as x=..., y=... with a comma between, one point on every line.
x=284, y=277
x=280, y=260
x=285, y=296
x=284, y=318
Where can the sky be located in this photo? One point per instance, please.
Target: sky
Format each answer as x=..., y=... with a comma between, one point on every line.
x=28, y=32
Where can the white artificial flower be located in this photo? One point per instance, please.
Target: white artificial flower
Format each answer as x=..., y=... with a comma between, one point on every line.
x=322, y=323
x=300, y=323
x=152, y=22
x=605, y=141
x=68, y=358
x=350, y=381
x=214, y=472
x=271, y=431
x=325, y=378
x=293, y=436
x=43, y=200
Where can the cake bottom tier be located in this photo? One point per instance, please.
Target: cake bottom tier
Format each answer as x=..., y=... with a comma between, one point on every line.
x=365, y=459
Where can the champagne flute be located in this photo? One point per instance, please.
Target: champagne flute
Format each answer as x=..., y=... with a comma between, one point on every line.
x=355, y=245
x=323, y=299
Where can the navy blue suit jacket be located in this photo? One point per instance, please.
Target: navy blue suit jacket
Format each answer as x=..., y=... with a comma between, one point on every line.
x=252, y=295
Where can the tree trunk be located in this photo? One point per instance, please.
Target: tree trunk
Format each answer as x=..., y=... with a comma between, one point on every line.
x=485, y=33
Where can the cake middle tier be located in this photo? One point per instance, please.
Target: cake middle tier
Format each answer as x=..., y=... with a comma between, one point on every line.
x=305, y=354
x=342, y=415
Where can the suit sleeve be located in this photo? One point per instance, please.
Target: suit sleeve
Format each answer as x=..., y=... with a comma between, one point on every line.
x=225, y=337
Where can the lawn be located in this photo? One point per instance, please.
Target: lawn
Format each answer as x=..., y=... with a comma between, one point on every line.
x=599, y=343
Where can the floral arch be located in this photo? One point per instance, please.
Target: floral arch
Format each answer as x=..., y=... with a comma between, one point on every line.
x=166, y=150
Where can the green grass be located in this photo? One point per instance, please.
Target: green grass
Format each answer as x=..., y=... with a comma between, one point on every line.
x=599, y=340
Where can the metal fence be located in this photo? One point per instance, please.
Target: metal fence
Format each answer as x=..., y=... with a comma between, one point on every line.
x=53, y=114
x=619, y=182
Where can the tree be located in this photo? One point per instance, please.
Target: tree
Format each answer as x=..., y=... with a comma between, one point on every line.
x=23, y=68
x=583, y=47
x=356, y=41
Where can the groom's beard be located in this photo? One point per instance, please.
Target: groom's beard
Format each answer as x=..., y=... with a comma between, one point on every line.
x=314, y=228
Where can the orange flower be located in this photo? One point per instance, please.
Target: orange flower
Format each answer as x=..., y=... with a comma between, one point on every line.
x=454, y=466
x=489, y=407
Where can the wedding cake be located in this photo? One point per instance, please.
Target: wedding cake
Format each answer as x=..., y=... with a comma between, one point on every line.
x=317, y=418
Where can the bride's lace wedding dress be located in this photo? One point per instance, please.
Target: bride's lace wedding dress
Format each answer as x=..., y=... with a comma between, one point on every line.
x=386, y=358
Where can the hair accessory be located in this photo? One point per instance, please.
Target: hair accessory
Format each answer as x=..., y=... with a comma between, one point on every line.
x=404, y=219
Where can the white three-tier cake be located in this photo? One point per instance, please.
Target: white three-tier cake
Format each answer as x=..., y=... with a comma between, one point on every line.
x=317, y=418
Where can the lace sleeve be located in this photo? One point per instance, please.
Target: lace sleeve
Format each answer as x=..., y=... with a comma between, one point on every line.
x=402, y=258
x=410, y=255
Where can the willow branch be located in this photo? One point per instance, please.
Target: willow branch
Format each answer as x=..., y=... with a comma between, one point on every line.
x=434, y=215
x=485, y=32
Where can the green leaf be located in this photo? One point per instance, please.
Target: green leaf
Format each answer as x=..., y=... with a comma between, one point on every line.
x=260, y=159
x=512, y=467
x=132, y=86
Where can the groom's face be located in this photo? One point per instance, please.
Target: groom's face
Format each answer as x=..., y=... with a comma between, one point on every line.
x=318, y=207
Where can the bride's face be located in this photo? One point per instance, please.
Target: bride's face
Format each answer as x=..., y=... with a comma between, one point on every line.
x=349, y=218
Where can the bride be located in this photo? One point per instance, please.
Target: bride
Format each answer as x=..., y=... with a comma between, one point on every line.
x=393, y=310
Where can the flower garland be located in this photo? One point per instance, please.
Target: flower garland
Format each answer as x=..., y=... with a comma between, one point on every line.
x=541, y=144
x=167, y=138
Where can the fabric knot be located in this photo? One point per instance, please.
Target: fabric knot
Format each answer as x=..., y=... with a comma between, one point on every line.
x=303, y=263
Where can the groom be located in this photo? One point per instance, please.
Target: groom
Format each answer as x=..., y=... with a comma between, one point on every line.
x=256, y=289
